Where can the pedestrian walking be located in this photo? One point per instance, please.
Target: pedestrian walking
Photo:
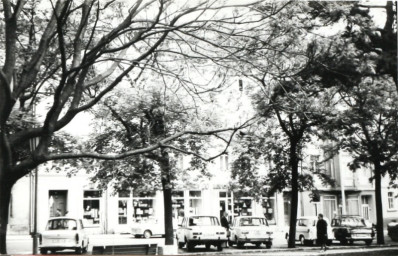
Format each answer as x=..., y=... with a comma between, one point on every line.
x=321, y=232
x=225, y=224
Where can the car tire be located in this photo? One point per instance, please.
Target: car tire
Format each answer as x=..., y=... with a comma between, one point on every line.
x=257, y=245
x=78, y=250
x=147, y=234
x=240, y=245
x=302, y=240
x=230, y=243
x=180, y=244
x=343, y=242
x=329, y=242
x=219, y=247
x=43, y=251
x=207, y=246
x=190, y=246
x=368, y=242
x=268, y=245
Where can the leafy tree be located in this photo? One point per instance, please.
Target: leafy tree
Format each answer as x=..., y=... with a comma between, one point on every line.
x=361, y=64
x=68, y=55
x=153, y=117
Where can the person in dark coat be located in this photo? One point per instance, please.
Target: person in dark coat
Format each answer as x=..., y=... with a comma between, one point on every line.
x=225, y=223
x=321, y=232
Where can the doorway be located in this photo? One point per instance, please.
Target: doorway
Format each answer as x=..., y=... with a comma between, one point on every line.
x=57, y=202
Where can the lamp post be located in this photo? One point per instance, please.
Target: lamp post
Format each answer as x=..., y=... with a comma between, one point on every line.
x=33, y=197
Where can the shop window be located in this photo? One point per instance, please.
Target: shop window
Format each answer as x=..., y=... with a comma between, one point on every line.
x=143, y=209
x=178, y=205
x=391, y=203
x=268, y=205
x=243, y=207
x=195, y=202
x=91, y=207
x=122, y=211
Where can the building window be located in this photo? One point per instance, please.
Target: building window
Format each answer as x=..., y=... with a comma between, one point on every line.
x=122, y=206
x=268, y=205
x=178, y=206
x=391, y=203
x=243, y=207
x=224, y=162
x=143, y=206
x=91, y=207
x=195, y=202
x=314, y=160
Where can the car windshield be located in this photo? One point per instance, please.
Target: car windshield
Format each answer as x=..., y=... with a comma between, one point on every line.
x=306, y=222
x=253, y=222
x=203, y=221
x=352, y=222
x=61, y=224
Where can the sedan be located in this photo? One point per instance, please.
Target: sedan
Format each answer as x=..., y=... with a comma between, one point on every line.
x=63, y=233
x=198, y=230
x=250, y=230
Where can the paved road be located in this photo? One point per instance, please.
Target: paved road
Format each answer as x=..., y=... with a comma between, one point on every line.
x=23, y=245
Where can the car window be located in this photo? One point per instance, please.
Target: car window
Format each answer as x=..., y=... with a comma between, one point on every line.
x=352, y=222
x=306, y=222
x=253, y=222
x=203, y=221
x=61, y=224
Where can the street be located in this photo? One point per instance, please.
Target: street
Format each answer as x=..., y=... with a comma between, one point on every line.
x=23, y=245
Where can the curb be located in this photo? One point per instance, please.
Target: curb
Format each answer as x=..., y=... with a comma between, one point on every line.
x=339, y=249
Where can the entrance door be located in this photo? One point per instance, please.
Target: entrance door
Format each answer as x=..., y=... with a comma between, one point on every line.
x=365, y=211
x=225, y=204
x=57, y=202
x=329, y=206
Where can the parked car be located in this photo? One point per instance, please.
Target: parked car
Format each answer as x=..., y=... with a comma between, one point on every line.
x=392, y=229
x=198, y=230
x=351, y=229
x=253, y=230
x=63, y=233
x=148, y=228
x=306, y=230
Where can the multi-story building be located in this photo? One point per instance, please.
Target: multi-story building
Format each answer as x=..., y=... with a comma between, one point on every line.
x=104, y=211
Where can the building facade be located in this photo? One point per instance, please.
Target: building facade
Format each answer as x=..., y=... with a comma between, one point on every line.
x=104, y=211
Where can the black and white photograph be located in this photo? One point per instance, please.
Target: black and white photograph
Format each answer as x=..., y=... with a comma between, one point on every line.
x=198, y=127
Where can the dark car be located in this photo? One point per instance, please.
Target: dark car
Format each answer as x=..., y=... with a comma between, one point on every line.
x=392, y=229
x=351, y=229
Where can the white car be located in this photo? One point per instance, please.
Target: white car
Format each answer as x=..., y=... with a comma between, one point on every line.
x=149, y=228
x=306, y=230
x=249, y=229
x=63, y=233
x=198, y=230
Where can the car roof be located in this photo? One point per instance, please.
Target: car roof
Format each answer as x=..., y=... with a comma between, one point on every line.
x=347, y=216
x=195, y=216
x=63, y=218
x=247, y=217
x=311, y=218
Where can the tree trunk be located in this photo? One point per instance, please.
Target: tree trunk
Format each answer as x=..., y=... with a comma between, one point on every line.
x=5, y=195
x=294, y=195
x=167, y=199
x=379, y=205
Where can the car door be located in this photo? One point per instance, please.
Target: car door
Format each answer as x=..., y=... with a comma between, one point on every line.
x=299, y=229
